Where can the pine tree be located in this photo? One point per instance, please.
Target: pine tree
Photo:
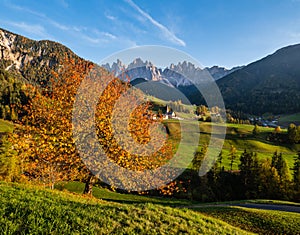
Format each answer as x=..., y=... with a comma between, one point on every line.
x=296, y=176
x=292, y=133
x=269, y=180
x=198, y=157
x=283, y=172
x=232, y=156
x=281, y=166
x=249, y=173
x=255, y=131
x=220, y=159
x=197, y=184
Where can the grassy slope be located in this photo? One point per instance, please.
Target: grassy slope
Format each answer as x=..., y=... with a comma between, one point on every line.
x=6, y=126
x=287, y=119
x=241, y=137
x=35, y=210
x=258, y=221
x=30, y=210
x=252, y=220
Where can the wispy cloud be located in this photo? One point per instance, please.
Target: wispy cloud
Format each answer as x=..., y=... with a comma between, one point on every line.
x=109, y=35
x=63, y=3
x=32, y=29
x=166, y=32
x=88, y=35
x=92, y=40
x=40, y=15
x=110, y=17
x=57, y=25
x=96, y=36
x=24, y=9
x=79, y=29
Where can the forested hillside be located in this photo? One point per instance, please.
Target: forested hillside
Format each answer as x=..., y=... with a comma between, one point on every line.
x=12, y=96
x=271, y=84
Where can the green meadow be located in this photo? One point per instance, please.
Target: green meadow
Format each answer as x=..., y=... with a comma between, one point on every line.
x=238, y=135
x=27, y=209
x=31, y=210
x=287, y=119
x=256, y=220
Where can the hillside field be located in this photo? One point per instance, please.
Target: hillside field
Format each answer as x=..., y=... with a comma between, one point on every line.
x=29, y=209
x=287, y=119
x=238, y=135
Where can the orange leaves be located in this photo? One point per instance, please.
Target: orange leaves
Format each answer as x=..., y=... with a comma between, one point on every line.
x=139, y=123
x=111, y=116
x=173, y=187
x=45, y=141
x=47, y=131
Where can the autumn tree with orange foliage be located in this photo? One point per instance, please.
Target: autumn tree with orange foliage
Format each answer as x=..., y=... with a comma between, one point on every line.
x=138, y=126
x=125, y=127
x=44, y=139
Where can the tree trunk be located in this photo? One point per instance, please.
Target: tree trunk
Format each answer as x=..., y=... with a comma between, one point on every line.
x=88, y=189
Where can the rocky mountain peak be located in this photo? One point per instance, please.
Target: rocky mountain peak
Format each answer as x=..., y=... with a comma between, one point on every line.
x=183, y=74
x=29, y=59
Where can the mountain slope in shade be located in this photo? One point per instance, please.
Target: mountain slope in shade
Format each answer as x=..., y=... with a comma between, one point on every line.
x=218, y=72
x=271, y=84
x=159, y=90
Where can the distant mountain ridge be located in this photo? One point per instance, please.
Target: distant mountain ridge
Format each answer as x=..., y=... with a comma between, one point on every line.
x=220, y=72
x=182, y=74
x=271, y=84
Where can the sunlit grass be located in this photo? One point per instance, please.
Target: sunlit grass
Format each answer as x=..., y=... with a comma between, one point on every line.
x=6, y=126
x=255, y=220
x=238, y=135
x=30, y=210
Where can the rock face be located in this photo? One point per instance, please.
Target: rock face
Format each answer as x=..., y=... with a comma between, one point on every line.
x=137, y=69
x=182, y=74
x=31, y=60
x=9, y=53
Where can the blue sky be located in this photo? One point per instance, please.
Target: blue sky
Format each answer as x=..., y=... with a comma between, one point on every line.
x=215, y=32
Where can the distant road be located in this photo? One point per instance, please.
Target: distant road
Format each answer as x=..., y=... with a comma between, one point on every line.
x=287, y=208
